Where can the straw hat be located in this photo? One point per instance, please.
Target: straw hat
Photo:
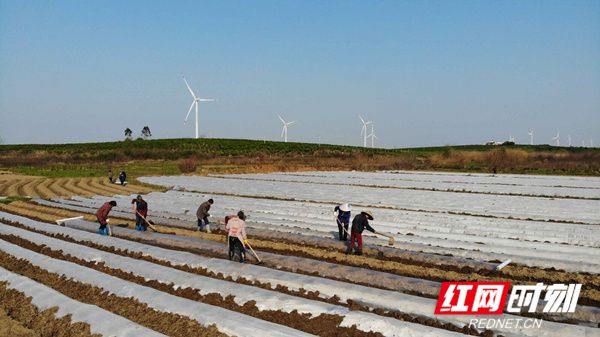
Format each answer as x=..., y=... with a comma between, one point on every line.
x=368, y=214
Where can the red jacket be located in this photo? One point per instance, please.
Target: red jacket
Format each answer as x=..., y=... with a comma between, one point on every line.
x=102, y=213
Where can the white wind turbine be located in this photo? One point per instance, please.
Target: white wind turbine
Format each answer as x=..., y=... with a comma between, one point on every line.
x=284, y=131
x=194, y=103
x=591, y=142
x=363, y=131
x=372, y=135
x=569, y=139
x=511, y=138
x=557, y=138
x=530, y=133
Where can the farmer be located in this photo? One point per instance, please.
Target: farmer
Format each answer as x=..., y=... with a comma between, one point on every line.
x=110, y=176
x=122, y=177
x=140, y=207
x=236, y=234
x=202, y=215
x=359, y=224
x=342, y=219
x=102, y=216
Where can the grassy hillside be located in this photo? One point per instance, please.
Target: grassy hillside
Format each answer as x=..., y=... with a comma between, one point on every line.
x=173, y=156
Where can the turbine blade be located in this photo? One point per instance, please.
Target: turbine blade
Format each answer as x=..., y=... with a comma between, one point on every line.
x=290, y=123
x=190, y=110
x=206, y=99
x=281, y=119
x=188, y=86
x=282, y=131
x=361, y=119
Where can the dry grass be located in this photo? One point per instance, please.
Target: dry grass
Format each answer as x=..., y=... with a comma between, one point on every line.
x=188, y=165
x=30, y=186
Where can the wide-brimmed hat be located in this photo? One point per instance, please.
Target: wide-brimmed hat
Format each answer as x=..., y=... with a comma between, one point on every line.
x=345, y=207
x=368, y=214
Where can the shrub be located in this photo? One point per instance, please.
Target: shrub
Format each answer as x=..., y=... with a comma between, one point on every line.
x=188, y=165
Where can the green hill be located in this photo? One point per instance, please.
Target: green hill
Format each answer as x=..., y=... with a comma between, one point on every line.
x=166, y=156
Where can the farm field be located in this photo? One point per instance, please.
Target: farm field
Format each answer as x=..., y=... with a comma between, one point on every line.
x=179, y=282
x=32, y=186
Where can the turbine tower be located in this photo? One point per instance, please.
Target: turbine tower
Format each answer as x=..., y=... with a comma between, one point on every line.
x=284, y=131
x=530, y=133
x=557, y=138
x=363, y=131
x=194, y=103
x=372, y=135
x=569, y=139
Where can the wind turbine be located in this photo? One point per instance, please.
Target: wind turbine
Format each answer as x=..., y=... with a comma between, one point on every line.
x=569, y=138
x=363, y=131
x=284, y=131
x=194, y=103
x=557, y=138
x=372, y=135
x=591, y=142
x=530, y=133
x=511, y=138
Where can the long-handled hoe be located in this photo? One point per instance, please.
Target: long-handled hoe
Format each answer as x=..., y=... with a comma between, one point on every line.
x=152, y=226
x=252, y=250
x=147, y=222
x=391, y=240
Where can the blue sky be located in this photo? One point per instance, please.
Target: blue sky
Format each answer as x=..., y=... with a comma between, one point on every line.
x=426, y=72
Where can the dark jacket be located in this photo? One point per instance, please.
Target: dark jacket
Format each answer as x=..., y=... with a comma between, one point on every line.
x=343, y=217
x=360, y=223
x=141, y=206
x=102, y=213
x=202, y=211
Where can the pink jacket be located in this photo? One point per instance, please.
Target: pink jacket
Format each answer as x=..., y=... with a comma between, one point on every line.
x=237, y=228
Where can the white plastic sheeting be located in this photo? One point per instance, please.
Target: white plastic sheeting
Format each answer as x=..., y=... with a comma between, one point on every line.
x=44, y=298
x=483, y=239
x=551, y=186
x=494, y=205
x=229, y=322
x=265, y=299
x=372, y=297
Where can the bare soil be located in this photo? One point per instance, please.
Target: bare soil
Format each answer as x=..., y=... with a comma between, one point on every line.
x=31, y=186
x=22, y=318
x=163, y=322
